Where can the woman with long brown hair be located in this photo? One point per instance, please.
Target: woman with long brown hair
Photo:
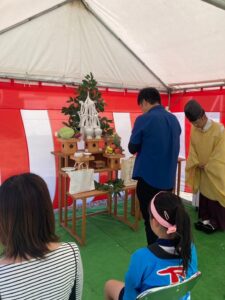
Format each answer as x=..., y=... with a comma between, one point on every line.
x=34, y=265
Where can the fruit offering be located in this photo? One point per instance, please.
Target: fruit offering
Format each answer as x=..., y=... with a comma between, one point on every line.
x=67, y=133
x=115, y=146
x=109, y=150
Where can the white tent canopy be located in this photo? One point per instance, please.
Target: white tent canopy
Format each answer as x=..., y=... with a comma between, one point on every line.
x=124, y=43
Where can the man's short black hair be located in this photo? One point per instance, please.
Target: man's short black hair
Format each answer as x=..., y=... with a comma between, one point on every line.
x=150, y=95
x=193, y=110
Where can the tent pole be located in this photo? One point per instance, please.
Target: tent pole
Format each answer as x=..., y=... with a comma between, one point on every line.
x=217, y=81
x=217, y=3
x=202, y=87
x=123, y=43
x=34, y=16
x=25, y=80
x=171, y=90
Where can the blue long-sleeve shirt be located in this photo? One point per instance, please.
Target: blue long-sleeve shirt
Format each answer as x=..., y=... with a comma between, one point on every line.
x=156, y=139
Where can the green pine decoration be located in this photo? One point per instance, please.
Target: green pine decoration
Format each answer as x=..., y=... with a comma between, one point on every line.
x=114, y=187
x=89, y=84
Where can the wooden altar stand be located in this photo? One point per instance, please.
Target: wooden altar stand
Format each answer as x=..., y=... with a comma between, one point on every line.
x=70, y=224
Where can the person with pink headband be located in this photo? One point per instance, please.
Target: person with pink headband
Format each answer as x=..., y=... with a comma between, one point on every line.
x=171, y=259
x=170, y=228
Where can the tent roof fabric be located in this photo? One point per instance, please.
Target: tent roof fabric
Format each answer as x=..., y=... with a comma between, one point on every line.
x=124, y=43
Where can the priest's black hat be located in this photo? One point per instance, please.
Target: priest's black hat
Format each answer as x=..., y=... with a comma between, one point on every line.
x=193, y=110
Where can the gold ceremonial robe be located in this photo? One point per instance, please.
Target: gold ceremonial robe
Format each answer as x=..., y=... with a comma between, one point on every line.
x=207, y=148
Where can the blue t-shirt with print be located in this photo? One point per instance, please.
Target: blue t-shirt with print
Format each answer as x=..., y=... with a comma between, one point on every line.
x=148, y=270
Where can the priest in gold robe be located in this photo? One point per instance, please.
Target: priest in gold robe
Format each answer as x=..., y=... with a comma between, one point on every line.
x=205, y=168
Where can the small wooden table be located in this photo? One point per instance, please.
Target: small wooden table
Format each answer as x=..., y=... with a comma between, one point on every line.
x=63, y=208
x=83, y=196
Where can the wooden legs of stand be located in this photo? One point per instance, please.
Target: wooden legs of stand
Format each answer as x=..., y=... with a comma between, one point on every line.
x=178, y=178
x=81, y=238
x=134, y=208
x=62, y=184
x=80, y=235
x=60, y=198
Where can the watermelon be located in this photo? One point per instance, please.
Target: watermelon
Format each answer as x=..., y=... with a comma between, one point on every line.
x=66, y=133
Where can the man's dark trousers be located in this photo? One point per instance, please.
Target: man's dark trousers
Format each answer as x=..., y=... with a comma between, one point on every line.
x=145, y=193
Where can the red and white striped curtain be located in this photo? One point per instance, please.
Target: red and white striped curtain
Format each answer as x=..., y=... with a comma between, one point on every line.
x=29, y=118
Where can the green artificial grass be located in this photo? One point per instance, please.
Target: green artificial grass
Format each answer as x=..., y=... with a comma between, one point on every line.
x=110, y=244
x=211, y=258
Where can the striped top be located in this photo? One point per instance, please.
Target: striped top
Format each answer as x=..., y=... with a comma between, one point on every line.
x=50, y=278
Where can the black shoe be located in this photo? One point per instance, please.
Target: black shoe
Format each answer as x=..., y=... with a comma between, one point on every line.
x=199, y=225
x=209, y=228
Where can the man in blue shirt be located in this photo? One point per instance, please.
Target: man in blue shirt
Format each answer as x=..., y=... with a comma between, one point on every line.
x=156, y=140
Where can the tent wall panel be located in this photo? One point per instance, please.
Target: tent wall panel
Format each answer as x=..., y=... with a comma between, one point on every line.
x=20, y=132
x=14, y=157
x=15, y=98
x=40, y=144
